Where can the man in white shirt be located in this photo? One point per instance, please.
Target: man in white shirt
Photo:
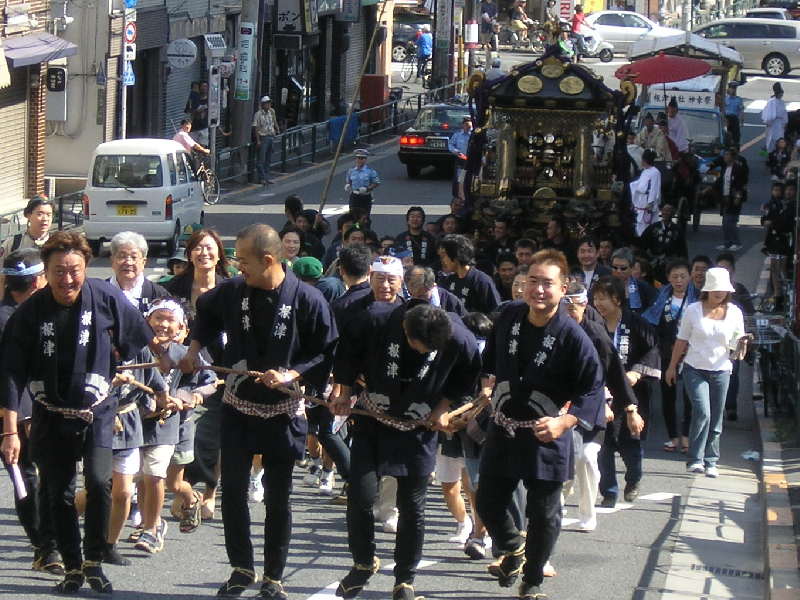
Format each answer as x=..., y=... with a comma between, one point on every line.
x=678, y=132
x=646, y=193
x=186, y=140
x=265, y=127
x=775, y=117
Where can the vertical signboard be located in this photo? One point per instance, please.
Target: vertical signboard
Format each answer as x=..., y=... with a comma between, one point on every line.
x=244, y=67
x=441, y=42
x=350, y=11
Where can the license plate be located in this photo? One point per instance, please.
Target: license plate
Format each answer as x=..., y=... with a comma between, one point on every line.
x=437, y=143
x=126, y=211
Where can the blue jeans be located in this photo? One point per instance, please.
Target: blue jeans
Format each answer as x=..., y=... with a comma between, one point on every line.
x=730, y=229
x=630, y=450
x=264, y=156
x=707, y=391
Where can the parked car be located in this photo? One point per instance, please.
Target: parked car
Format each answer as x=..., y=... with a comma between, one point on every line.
x=622, y=28
x=793, y=6
x=425, y=142
x=404, y=30
x=781, y=14
x=143, y=185
x=765, y=44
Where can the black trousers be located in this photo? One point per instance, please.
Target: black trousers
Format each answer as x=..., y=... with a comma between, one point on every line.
x=33, y=511
x=320, y=423
x=360, y=205
x=206, y=442
x=57, y=468
x=544, y=518
x=361, y=495
x=236, y=462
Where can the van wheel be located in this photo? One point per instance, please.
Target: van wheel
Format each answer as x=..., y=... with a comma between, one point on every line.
x=96, y=246
x=172, y=243
x=775, y=65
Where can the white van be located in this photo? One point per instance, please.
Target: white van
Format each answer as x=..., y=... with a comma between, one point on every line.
x=143, y=185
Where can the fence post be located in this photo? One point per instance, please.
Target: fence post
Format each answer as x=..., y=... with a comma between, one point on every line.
x=61, y=212
x=313, y=142
x=283, y=153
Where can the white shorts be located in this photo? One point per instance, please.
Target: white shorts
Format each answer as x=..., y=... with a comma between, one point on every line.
x=448, y=469
x=125, y=462
x=155, y=459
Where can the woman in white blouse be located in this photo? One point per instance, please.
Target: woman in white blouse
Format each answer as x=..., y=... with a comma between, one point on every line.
x=710, y=334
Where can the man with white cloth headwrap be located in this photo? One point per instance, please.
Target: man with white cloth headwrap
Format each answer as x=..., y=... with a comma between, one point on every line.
x=775, y=117
x=646, y=193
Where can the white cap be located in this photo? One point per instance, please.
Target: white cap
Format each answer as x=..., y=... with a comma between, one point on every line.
x=265, y=99
x=388, y=264
x=718, y=280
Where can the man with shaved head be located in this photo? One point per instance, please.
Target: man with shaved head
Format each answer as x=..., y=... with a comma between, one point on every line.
x=283, y=328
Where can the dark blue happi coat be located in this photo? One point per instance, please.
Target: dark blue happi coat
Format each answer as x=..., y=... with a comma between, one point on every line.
x=566, y=368
x=476, y=290
x=104, y=321
x=403, y=383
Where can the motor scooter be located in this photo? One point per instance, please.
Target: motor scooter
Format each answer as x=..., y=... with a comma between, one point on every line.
x=596, y=47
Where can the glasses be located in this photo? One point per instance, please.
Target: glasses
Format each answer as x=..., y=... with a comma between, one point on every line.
x=545, y=284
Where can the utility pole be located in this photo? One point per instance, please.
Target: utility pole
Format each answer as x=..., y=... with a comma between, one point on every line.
x=250, y=28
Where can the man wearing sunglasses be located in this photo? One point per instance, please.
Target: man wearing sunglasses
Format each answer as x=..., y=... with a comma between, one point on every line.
x=639, y=295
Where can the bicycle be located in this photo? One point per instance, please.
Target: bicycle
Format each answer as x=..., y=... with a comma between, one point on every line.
x=409, y=67
x=209, y=183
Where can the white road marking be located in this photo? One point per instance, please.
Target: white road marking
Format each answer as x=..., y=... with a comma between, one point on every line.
x=658, y=496
x=329, y=591
x=608, y=511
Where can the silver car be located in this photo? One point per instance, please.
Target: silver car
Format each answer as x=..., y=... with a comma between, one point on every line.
x=623, y=27
x=765, y=44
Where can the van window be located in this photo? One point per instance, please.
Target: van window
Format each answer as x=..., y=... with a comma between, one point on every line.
x=187, y=163
x=173, y=172
x=787, y=32
x=183, y=176
x=718, y=31
x=132, y=171
x=748, y=30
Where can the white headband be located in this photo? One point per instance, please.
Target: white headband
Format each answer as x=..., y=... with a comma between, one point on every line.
x=580, y=298
x=389, y=265
x=170, y=305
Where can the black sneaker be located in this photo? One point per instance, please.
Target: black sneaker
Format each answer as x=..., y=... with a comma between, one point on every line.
x=509, y=568
x=404, y=591
x=609, y=501
x=112, y=556
x=631, y=492
x=355, y=580
x=72, y=582
x=238, y=582
x=272, y=590
x=93, y=572
x=475, y=548
x=49, y=562
x=528, y=591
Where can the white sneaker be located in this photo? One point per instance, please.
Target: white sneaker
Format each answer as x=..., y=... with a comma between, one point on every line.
x=256, y=492
x=390, y=524
x=712, y=472
x=588, y=525
x=326, y=483
x=695, y=467
x=463, y=529
x=312, y=477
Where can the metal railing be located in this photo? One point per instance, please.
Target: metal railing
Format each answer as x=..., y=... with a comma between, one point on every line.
x=69, y=214
x=307, y=144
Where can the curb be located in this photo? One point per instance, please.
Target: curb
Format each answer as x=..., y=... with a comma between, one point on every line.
x=781, y=558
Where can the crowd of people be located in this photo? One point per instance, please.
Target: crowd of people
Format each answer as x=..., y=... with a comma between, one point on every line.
x=508, y=368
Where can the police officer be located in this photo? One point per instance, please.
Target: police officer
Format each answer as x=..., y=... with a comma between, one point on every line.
x=359, y=183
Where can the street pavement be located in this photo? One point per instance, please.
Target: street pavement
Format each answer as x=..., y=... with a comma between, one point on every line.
x=686, y=537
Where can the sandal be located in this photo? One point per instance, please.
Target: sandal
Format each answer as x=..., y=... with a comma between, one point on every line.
x=509, y=567
x=95, y=577
x=72, y=582
x=237, y=583
x=670, y=446
x=355, y=580
x=191, y=516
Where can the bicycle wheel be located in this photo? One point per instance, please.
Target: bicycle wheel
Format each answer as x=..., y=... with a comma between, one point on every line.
x=210, y=187
x=409, y=66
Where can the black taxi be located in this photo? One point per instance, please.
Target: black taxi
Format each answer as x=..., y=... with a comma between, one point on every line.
x=425, y=142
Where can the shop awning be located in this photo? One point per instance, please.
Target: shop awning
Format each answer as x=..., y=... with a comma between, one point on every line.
x=34, y=48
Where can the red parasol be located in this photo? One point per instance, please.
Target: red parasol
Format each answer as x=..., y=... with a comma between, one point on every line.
x=662, y=68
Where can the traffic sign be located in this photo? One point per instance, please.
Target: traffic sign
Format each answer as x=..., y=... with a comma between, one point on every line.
x=130, y=3
x=181, y=53
x=130, y=32
x=130, y=52
x=128, y=76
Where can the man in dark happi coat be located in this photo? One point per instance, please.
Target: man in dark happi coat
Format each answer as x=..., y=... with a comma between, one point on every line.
x=546, y=379
x=415, y=360
x=421, y=284
x=421, y=243
x=61, y=345
x=282, y=327
x=474, y=287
